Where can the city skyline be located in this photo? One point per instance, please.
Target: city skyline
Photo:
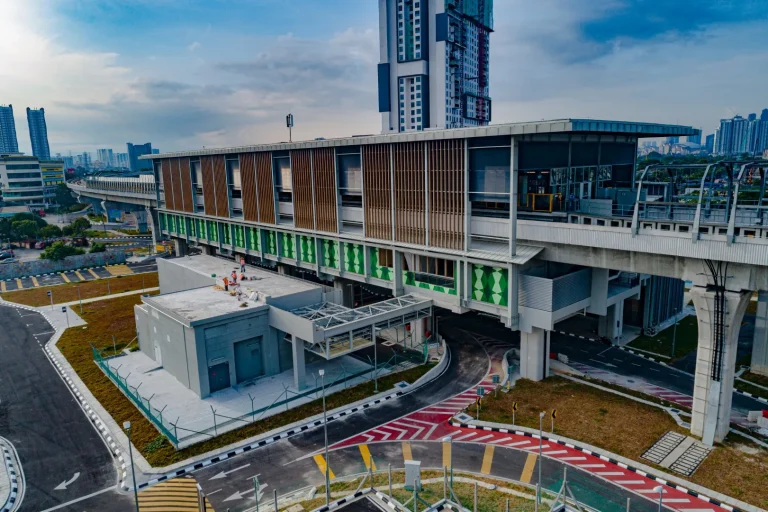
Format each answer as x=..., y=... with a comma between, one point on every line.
x=319, y=61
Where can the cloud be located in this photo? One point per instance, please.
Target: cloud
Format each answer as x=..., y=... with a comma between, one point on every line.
x=193, y=46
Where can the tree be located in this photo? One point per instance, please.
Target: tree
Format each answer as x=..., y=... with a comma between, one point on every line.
x=67, y=230
x=29, y=216
x=64, y=196
x=50, y=231
x=58, y=251
x=97, y=247
x=80, y=225
x=24, y=229
x=5, y=229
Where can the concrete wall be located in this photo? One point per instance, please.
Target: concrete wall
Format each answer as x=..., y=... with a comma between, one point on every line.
x=176, y=344
x=176, y=278
x=37, y=267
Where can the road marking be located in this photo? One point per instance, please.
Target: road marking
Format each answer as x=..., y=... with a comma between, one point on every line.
x=465, y=436
x=629, y=482
x=487, y=459
x=2, y=286
x=320, y=461
x=119, y=270
x=79, y=275
x=81, y=498
x=366, y=453
x=477, y=440
x=225, y=473
x=19, y=285
x=447, y=455
x=556, y=452
x=407, y=455
x=573, y=458
x=608, y=473
x=636, y=364
x=519, y=443
x=63, y=485
x=591, y=465
x=94, y=274
x=35, y=282
x=530, y=463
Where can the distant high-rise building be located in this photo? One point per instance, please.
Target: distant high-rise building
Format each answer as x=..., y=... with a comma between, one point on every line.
x=764, y=115
x=695, y=139
x=434, y=64
x=134, y=152
x=673, y=140
x=106, y=157
x=155, y=151
x=83, y=160
x=709, y=145
x=38, y=133
x=8, y=141
x=122, y=160
x=69, y=162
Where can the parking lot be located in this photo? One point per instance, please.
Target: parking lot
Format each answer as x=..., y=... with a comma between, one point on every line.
x=75, y=276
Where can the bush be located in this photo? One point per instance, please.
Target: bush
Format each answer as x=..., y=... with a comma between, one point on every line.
x=80, y=225
x=50, y=231
x=98, y=248
x=58, y=251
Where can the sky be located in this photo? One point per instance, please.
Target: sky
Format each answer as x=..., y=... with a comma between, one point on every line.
x=186, y=74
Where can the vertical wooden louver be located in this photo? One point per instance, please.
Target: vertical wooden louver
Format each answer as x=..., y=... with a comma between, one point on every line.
x=220, y=186
x=265, y=187
x=165, y=168
x=248, y=178
x=377, y=191
x=325, y=189
x=209, y=194
x=301, y=172
x=410, y=221
x=188, y=204
x=446, y=193
x=178, y=198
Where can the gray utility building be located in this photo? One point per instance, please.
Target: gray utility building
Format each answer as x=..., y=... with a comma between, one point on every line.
x=209, y=339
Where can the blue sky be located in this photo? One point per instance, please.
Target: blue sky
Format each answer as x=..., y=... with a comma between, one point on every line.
x=191, y=73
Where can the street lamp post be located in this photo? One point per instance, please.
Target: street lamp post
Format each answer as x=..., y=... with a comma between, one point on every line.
x=325, y=428
x=449, y=440
x=127, y=427
x=541, y=437
x=660, y=490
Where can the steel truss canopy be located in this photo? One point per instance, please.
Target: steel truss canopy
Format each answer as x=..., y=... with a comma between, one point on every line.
x=327, y=314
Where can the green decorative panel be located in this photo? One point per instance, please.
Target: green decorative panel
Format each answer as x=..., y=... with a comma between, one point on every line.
x=239, y=236
x=271, y=242
x=192, y=227
x=254, y=240
x=409, y=279
x=213, y=231
x=182, y=225
x=307, y=249
x=490, y=284
x=354, y=259
x=226, y=233
x=377, y=270
x=163, y=222
x=201, y=231
x=330, y=253
x=172, y=223
x=289, y=245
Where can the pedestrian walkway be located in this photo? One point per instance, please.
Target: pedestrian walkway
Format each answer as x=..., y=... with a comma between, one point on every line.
x=177, y=495
x=11, y=484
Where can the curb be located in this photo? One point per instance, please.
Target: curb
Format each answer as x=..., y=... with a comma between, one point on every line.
x=750, y=395
x=10, y=503
x=357, y=495
x=604, y=458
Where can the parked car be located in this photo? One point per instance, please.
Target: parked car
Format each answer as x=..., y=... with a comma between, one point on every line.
x=42, y=244
x=8, y=260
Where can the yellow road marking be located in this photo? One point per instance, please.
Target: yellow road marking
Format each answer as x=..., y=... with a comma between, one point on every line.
x=447, y=455
x=79, y=275
x=18, y=283
x=367, y=458
x=119, y=270
x=34, y=281
x=320, y=461
x=530, y=463
x=407, y=454
x=94, y=274
x=178, y=495
x=488, y=459
x=65, y=278
x=2, y=286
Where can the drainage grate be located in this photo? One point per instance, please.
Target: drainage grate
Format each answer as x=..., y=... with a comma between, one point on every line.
x=677, y=452
x=690, y=459
x=663, y=447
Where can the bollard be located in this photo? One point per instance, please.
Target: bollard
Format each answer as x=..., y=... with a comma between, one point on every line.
x=276, y=510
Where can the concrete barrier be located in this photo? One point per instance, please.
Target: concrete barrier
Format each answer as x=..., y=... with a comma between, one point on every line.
x=40, y=267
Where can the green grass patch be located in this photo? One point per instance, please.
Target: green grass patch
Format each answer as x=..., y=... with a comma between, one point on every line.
x=749, y=388
x=760, y=380
x=686, y=339
x=68, y=292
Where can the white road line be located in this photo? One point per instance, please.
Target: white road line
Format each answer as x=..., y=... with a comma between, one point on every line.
x=591, y=466
x=81, y=498
x=478, y=439
x=609, y=473
x=519, y=443
x=402, y=431
x=556, y=452
x=570, y=459
x=629, y=482
x=465, y=436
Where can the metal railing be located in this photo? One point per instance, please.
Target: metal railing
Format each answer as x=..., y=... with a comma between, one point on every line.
x=139, y=185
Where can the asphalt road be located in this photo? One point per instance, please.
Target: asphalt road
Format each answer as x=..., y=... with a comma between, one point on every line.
x=74, y=276
x=38, y=414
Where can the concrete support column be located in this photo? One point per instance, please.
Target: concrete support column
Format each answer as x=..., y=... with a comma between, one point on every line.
x=417, y=331
x=397, y=274
x=154, y=223
x=283, y=270
x=299, y=369
x=181, y=247
x=534, y=354
x=347, y=291
x=599, y=293
x=612, y=324
x=715, y=365
x=760, y=347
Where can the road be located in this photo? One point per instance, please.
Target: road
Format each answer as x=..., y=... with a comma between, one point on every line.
x=55, y=440
x=73, y=276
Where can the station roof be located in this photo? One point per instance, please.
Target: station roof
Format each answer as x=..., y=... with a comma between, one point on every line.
x=195, y=306
x=555, y=126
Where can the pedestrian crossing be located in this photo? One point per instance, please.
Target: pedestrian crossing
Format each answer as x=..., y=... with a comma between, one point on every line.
x=177, y=495
x=119, y=270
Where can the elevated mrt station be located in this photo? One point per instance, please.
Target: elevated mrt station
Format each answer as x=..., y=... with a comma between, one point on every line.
x=530, y=222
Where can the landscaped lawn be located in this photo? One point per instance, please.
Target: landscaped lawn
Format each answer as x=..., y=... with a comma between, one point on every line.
x=88, y=289
x=628, y=428
x=115, y=317
x=686, y=339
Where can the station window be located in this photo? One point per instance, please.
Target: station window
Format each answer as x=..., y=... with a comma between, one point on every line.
x=348, y=163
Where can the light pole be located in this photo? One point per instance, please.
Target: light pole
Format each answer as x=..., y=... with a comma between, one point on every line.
x=127, y=427
x=660, y=490
x=325, y=428
x=541, y=437
x=449, y=440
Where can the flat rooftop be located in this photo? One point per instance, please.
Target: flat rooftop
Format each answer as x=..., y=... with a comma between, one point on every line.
x=589, y=126
x=200, y=304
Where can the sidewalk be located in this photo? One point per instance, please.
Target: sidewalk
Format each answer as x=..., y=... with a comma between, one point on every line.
x=10, y=492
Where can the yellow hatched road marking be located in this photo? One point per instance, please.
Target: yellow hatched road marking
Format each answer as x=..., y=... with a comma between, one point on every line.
x=34, y=281
x=119, y=270
x=488, y=459
x=2, y=286
x=530, y=463
x=79, y=275
x=94, y=274
x=18, y=283
x=65, y=278
x=407, y=454
x=367, y=458
x=178, y=495
x=320, y=461
x=447, y=455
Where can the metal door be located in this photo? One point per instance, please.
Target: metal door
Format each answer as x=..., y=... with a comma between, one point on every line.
x=586, y=190
x=248, y=360
x=158, y=354
x=218, y=376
